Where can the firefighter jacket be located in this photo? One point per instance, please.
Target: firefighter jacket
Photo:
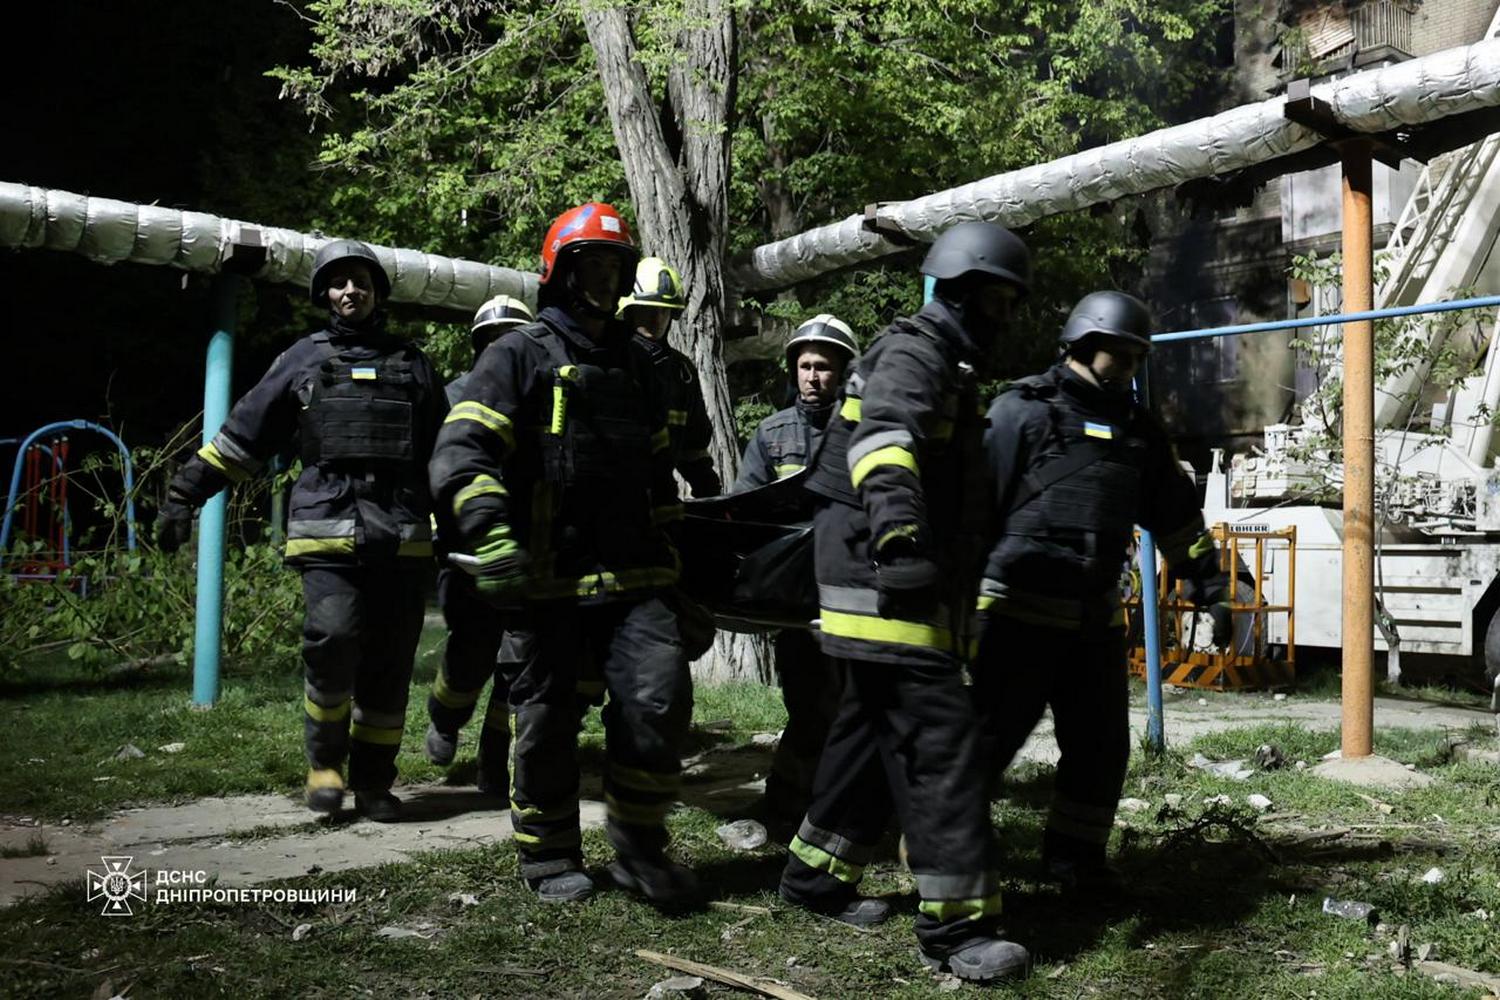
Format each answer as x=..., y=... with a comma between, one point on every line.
x=564, y=441
x=784, y=443
x=687, y=416
x=1074, y=468
x=366, y=407
x=902, y=458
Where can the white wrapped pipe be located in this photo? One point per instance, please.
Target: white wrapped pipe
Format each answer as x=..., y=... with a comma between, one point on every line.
x=1446, y=83
x=110, y=232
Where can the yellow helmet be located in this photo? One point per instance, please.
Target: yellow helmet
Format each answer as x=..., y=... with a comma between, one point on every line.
x=657, y=285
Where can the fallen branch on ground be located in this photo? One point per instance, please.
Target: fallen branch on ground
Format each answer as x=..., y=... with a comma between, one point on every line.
x=726, y=976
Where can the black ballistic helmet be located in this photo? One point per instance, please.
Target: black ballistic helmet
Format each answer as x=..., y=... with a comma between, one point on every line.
x=331, y=253
x=979, y=248
x=1108, y=314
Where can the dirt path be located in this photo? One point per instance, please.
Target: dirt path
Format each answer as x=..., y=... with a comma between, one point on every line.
x=259, y=838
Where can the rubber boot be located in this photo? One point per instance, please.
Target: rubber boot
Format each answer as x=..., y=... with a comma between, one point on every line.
x=662, y=881
x=982, y=960
x=378, y=805
x=493, y=780
x=325, y=789
x=440, y=746
x=564, y=887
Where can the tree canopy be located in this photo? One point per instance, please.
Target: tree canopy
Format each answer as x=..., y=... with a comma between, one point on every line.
x=464, y=126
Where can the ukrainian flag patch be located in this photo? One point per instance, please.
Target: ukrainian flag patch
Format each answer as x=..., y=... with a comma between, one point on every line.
x=1093, y=430
x=362, y=374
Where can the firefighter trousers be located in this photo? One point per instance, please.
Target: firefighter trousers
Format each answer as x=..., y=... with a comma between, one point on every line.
x=635, y=645
x=904, y=741
x=479, y=648
x=1023, y=668
x=811, y=686
x=359, y=638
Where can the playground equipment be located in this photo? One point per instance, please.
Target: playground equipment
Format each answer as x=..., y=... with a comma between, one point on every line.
x=53, y=490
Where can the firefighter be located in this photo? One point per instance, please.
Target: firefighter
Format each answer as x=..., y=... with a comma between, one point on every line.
x=475, y=628
x=556, y=467
x=367, y=406
x=648, y=311
x=897, y=555
x=817, y=356
x=1075, y=462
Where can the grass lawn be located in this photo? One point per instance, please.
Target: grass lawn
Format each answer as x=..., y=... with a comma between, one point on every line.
x=1223, y=902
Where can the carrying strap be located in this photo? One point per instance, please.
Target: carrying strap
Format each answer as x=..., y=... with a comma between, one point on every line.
x=1036, y=481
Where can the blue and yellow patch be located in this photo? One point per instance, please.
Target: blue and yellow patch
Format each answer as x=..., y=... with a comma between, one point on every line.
x=1101, y=431
x=362, y=374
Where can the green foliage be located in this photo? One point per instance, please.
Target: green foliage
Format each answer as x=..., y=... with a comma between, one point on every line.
x=1402, y=344
x=113, y=607
x=464, y=126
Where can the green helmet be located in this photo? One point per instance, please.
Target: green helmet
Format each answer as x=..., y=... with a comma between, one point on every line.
x=657, y=285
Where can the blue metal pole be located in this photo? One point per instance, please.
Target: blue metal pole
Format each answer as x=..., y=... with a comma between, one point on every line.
x=1156, y=734
x=207, y=635
x=1485, y=301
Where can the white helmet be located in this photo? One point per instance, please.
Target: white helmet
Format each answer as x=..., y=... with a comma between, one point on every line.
x=824, y=328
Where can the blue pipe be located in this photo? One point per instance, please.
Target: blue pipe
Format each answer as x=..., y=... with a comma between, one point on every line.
x=209, y=621
x=1156, y=735
x=53, y=428
x=1354, y=317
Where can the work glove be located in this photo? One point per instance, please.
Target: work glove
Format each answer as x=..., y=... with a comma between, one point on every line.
x=1223, y=620
x=174, y=525
x=908, y=585
x=501, y=567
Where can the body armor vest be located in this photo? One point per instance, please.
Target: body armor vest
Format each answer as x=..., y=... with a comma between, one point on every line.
x=359, y=411
x=1086, y=515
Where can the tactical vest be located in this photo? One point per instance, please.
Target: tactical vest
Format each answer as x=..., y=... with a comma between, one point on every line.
x=595, y=427
x=790, y=441
x=360, y=411
x=1081, y=492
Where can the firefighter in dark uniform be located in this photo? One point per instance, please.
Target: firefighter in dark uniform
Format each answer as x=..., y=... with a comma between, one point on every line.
x=648, y=311
x=475, y=651
x=817, y=357
x=556, y=467
x=1075, y=463
x=367, y=406
x=897, y=551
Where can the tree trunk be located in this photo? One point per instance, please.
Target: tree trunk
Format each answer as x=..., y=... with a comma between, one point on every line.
x=681, y=203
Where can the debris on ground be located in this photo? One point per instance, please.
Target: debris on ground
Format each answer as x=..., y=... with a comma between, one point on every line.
x=301, y=931
x=1134, y=805
x=678, y=987
x=1239, y=770
x=172, y=747
x=1173, y=800
x=1384, y=808
x=743, y=835
x=1217, y=800
x=129, y=752
x=762, y=985
x=1349, y=909
x=1432, y=876
x=425, y=931
x=1427, y=952
x=1269, y=757
x=463, y=899
x=1258, y=802
x=766, y=739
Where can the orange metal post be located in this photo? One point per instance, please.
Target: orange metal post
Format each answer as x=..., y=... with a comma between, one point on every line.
x=1359, y=457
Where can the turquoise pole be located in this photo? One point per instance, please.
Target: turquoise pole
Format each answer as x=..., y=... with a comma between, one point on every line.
x=211, y=523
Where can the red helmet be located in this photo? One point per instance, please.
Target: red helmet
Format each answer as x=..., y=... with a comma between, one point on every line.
x=590, y=224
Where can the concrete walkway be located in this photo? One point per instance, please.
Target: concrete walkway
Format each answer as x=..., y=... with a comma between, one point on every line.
x=260, y=838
